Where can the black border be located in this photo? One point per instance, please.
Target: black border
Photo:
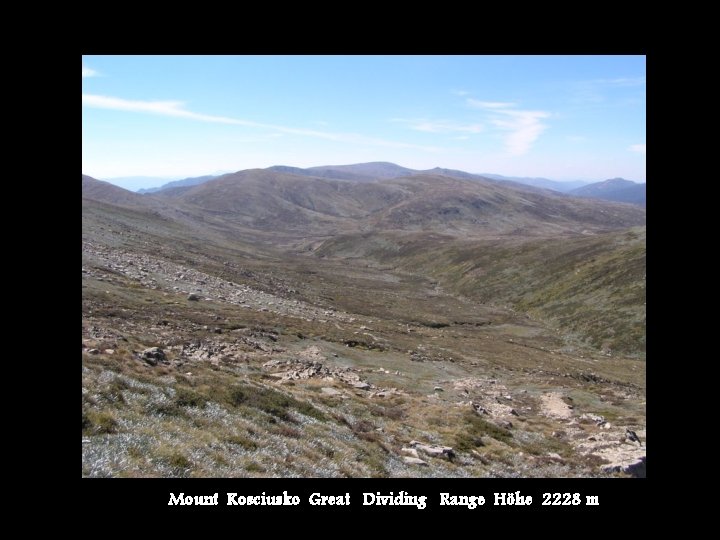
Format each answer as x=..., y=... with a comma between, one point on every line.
x=610, y=33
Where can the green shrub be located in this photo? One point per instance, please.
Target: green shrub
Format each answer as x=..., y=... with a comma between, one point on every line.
x=270, y=401
x=184, y=397
x=98, y=422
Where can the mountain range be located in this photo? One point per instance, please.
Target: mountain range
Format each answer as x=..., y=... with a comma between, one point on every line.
x=616, y=189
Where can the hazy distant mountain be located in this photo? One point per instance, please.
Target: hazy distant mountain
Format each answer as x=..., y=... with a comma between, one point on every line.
x=562, y=187
x=193, y=181
x=134, y=183
x=615, y=189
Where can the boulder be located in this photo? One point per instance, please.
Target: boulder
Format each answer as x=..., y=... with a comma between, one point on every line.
x=415, y=461
x=443, y=452
x=153, y=355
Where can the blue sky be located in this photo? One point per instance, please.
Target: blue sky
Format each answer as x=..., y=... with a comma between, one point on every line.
x=559, y=117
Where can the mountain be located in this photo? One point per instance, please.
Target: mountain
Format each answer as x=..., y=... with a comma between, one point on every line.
x=562, y=187
x=193, y=181
x=377, y=170
x=615, y=189
x=99, y=190
x=269, y=200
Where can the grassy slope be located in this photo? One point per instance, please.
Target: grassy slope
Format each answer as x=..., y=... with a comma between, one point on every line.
x=592, y=286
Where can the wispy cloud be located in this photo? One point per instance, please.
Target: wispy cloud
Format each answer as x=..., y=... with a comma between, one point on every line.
x=87, y=72
x=166, y=108
x=439, y=126
x=461, y=93
x=478, y=104
x=596, y=91
x=640, y=148
x=522, y=127
x=177, y=109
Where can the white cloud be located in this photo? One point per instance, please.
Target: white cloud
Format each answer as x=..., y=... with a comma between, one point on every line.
x=461, y=93
x=477, y=104
x=439, y=126
x=522, y=127
x=167, y=108
x=640, y=148
x=87, y=72
x=176, y=109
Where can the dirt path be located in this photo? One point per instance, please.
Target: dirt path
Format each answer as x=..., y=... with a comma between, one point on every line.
x=554, y=406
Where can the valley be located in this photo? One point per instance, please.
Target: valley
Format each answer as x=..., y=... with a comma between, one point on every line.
x=361, y=321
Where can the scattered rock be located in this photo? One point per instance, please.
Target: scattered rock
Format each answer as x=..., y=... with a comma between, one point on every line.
x=109, y=351
x=330, y=391
x=438, y=389
x=361, y=385
x=193, y=297
x=93, y=351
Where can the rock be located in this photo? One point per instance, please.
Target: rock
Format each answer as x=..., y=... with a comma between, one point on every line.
x=330, y=391
x=93, y=351
x=507, y=424
x=410, y=452
x=193, y=297
x=444, y=452
x=438, y=389
x=415, y=461
x=153, y=355
x=361, y=385
x=554, y=455
x=632, y=436
x=514, y=412
x=636, y=467
x=85, y=441
x=109, y=351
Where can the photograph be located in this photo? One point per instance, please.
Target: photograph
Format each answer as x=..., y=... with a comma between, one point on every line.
x=364, y=267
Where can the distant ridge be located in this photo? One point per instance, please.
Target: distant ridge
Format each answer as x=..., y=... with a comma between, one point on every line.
x=545, y=183
x=193, y=181
x=615, y=189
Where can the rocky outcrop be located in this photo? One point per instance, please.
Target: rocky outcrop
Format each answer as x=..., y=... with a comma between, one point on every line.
x=153, y=356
